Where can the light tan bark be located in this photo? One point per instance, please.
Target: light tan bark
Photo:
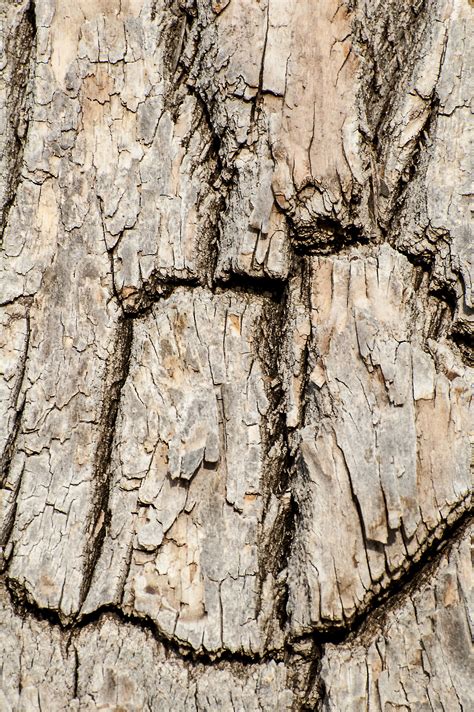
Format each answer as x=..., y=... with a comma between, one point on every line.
x=236, y=355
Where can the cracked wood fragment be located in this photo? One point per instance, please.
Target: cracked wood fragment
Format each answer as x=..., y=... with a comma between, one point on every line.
x=419, y=658
x=42, y=670
x=189, y=476
x=61, y=429
x=384, y=442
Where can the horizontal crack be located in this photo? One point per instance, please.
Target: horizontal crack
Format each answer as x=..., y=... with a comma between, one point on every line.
x=418, y=574
x=242, y=284
x=365, y=624
x=24, y=607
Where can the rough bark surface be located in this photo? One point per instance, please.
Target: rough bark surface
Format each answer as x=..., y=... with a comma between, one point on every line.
x=235, y=355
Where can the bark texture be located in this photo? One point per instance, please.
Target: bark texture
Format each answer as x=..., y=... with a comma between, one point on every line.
x=236, y=355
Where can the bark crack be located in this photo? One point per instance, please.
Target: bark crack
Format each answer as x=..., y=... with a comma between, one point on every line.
x=116, y=375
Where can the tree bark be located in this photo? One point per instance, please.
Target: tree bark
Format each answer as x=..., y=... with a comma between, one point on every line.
x=236, y=352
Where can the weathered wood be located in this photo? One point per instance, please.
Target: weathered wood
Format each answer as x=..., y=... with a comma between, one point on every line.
x=419, y=657
x=235, y=354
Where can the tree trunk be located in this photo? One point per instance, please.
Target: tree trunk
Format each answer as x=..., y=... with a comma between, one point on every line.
x=236, y=309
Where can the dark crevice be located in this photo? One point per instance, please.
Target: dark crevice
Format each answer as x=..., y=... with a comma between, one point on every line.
x=463, y=338
x=279, y=548
x=184, y=32
x=314, y=691
x=326, y=237
x=279, y=553
x=249, y=284
x=179, y=26
x=443, y=315
x=419, y=573
x=390, y=226
x=75, y=688
x=156, y=289
x=7, y=525
x=116, y=375
x=275, y=446
x=387, y=44
x=442, y=321
x=24, y=607
x=9, y=517
x=20, y=50
x=364, y=627
x=159, y=288
x=257, y=101
x=220, y=182
x=8, y=451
